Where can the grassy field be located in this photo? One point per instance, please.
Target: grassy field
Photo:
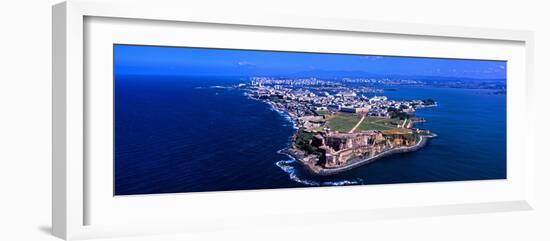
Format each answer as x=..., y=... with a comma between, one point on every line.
x=378, y=124
x=342, y=122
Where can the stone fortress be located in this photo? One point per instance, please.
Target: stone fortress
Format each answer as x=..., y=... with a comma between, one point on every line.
x=339, y=148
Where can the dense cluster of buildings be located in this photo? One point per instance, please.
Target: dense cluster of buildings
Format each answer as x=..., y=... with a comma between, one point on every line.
x=260, y=81
x=301, y=101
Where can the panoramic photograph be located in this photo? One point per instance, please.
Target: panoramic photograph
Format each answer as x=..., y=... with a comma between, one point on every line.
x=191, y=119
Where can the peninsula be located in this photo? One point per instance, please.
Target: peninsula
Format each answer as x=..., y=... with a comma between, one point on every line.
x=338, y=127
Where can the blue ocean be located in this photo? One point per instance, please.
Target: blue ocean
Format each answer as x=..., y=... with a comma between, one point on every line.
x=176, y=134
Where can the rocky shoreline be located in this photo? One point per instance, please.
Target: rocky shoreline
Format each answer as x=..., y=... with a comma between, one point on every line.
x=318, y=170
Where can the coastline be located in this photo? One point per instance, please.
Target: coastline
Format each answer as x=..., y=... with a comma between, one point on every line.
x=283, y=113
x=317, y=170
x=298, y=155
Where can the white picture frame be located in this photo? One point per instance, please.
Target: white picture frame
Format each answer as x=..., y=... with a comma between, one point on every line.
x=73, y=192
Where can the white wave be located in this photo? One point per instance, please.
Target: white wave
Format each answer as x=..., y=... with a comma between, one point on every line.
x=219, y=87
x=343, y=182
x=287, y=167
x=284, y=165
x=283, y=114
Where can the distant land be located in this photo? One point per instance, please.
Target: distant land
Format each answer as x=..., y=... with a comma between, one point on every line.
x=365, y=74
x=333, y=75
x=361, y=77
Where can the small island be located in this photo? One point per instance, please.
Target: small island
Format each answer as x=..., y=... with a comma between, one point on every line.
x=338, y=127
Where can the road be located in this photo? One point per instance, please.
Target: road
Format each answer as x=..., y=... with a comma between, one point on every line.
x=357, y=125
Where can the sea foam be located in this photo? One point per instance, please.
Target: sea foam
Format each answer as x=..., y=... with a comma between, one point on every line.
x=289, y=166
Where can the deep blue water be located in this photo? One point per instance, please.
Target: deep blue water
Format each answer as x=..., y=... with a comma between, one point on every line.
x=180, y=135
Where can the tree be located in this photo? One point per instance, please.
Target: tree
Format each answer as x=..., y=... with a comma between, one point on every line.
x=303, y=141
x=400, y=115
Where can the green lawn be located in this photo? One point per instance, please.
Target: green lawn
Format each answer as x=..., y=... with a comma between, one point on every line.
x=342, y=122
x=378, y=124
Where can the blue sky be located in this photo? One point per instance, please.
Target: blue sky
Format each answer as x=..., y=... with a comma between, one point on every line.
x=153, y=60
